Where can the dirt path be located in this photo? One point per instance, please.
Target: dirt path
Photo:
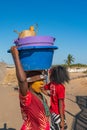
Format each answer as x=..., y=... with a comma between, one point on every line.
x=76, y=101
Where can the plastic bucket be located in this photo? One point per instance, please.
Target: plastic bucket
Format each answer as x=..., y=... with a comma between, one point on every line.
x=36, y=58
x=35, y=41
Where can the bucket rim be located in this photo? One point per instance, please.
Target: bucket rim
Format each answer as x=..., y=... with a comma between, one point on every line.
x=36, y=47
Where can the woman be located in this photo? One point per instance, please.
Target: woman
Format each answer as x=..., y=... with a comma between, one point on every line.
x=31, y=100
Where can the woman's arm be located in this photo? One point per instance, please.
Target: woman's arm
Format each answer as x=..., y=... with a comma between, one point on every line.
x=21, y=76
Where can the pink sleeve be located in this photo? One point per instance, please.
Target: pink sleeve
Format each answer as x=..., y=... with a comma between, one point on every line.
x=61, y=92
x=25, y=100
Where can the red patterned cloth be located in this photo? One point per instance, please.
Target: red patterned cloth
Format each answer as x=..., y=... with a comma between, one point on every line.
x=33, y=113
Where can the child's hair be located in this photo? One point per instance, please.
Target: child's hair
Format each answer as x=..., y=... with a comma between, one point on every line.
x=59, y=74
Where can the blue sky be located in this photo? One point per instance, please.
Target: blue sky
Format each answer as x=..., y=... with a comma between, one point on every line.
x=66, y=20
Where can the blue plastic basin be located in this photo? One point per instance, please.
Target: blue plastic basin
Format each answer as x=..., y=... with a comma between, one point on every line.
x=36, y=57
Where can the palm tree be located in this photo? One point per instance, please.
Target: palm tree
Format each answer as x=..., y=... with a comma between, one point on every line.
x=70, y=59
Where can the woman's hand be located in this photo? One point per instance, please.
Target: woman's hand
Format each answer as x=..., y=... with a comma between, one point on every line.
x=14, y=50
x=62, y=125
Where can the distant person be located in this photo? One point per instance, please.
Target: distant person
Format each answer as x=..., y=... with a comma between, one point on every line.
x=33, y=105
x=58, y=76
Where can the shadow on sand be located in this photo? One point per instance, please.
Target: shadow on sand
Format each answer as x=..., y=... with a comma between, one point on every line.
x=80, y=122
x=5, y=127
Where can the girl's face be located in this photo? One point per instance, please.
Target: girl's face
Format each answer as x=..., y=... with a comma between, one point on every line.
x=36, y=86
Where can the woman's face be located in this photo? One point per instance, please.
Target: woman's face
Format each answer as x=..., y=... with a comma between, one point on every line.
x=36, y=86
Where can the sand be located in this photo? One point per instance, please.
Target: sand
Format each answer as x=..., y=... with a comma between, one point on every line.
x=76, y=101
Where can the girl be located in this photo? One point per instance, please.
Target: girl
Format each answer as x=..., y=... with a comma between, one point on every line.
x=58, y=76
x=31, y=100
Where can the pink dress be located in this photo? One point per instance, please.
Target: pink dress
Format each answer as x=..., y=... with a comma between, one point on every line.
x=33, y=113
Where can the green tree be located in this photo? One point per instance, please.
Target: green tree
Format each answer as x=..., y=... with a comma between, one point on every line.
x=70, y=59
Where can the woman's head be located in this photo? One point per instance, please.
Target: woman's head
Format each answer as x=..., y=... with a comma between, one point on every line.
x=35, y=80
x=59, y=74
x=33, y=73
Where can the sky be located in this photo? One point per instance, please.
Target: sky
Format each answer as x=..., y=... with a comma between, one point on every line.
x=65, y=20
